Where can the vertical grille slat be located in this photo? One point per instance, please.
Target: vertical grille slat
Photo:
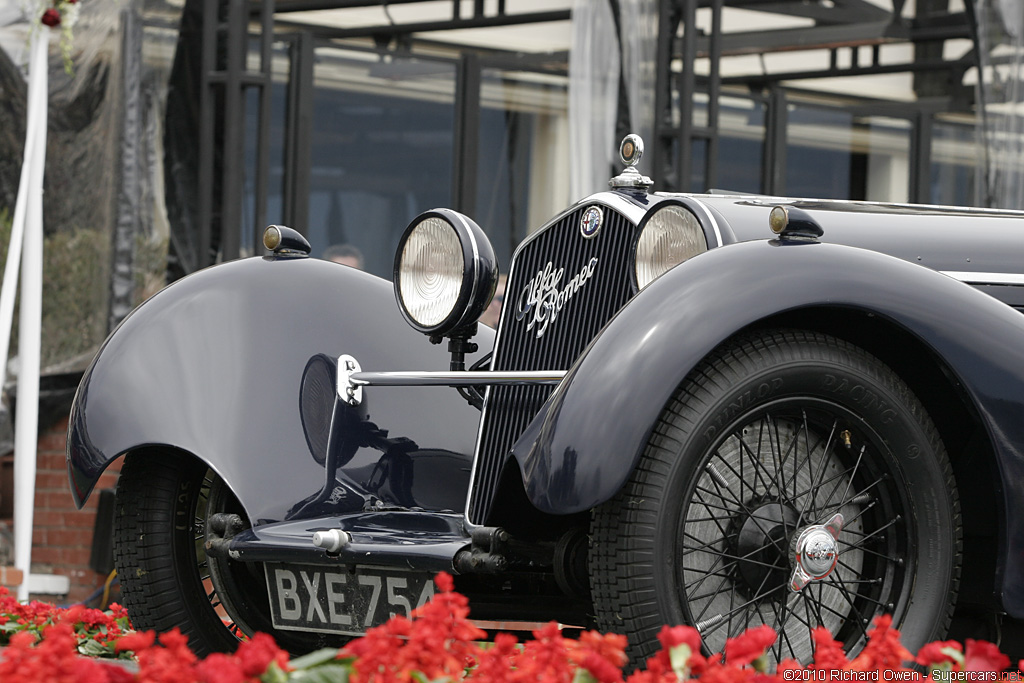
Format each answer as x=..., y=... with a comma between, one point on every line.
x=510, y=409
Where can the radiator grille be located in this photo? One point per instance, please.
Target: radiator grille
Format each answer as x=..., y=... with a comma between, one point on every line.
x=509, y=409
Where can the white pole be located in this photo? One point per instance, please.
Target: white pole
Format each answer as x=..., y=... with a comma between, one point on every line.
x=30, y=318
x=9, y=289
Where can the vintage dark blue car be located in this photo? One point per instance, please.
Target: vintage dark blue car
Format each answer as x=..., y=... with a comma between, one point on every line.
x=715, y=410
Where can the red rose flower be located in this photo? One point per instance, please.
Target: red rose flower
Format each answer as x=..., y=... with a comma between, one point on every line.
x=494, y=664
x=601, y=669
x=256, y=654
x=940, y=652
x=51, y=17
x=444, y=582
x=748, y=646
x=220, y=668
x=610, y=646
x=643, y=676
x=883, y=650
x=670, y=636
x=828, y=654
x=980, y=655
x=135, y=642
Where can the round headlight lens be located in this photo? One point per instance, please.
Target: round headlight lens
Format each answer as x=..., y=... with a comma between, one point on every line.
x=430, y=274
x=445, y=272
x=671, y=235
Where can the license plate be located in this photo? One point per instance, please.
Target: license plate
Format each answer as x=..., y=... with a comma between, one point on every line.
x=337, y=600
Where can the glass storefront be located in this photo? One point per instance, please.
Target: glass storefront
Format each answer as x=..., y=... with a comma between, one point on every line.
x=274, y=208
x=381, y=152
x=741, y=138
x=383, y=132
x=523, y=156
x=953, y=177
x=836, y=154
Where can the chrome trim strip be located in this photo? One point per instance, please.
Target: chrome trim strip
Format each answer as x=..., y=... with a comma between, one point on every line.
x=710, y=218
x=468, y=525
x=462, y=378
x=771, y=200
x=985, y=278
x=476, y=258
x=617, y=202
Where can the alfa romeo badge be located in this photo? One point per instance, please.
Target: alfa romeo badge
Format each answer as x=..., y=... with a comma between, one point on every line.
x=591, y=222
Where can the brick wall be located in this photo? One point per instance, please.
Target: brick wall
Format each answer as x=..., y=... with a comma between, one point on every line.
x=62, y=534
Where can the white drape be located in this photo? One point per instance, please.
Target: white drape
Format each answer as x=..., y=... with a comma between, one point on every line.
x=593, y=92
x=595, y=68
x=639, y=48
x=1001, y=102
x=27, y=242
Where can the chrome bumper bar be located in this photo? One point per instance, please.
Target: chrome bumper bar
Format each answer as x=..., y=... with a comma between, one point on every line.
x=352, y=379
x=466, y=378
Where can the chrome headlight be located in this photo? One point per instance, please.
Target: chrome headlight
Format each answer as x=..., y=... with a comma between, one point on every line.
x=445, y=272
x=669, y=235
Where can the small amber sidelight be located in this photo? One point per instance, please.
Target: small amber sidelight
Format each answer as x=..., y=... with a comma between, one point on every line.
x=778, y=219
x=272, y=237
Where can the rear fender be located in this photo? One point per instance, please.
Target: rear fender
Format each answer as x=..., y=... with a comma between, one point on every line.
x=588, y=438
x=212, y=366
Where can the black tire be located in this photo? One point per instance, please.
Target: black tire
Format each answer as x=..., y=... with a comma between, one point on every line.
x=703, y=533
x=163, y=505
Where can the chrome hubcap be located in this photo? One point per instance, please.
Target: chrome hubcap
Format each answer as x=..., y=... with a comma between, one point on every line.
x=816, y=552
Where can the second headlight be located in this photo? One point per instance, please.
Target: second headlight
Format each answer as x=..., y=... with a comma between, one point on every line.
x=669, y=235
x=445, y=272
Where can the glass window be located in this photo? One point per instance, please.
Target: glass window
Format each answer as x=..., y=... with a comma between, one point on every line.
x=523, y=157
x=740, y=155
x=252, y=243
x=698, y=162
x=839, y=155
x=953, y=165
x=381, y=149
x=740, y=144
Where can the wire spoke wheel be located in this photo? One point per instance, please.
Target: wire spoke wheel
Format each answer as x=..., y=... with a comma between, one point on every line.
x=166, y=504
x=794, y=481
x=225, y=583
x=789, y=466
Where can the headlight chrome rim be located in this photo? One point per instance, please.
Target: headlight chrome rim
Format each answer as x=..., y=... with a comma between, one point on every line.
x=691, y=240
x=456, y=294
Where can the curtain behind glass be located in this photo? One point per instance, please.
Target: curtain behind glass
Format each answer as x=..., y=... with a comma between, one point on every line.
x=82, y=177
x=639, y=50
x=1000, y=93
x=597, y=68
x=402, y=109
x=594, y=69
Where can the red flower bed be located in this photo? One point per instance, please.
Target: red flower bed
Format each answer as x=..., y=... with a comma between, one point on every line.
x=440, y=644
x=95, y=632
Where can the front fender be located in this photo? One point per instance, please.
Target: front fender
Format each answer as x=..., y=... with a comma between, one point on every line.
x=585, y=443
x=212, y=366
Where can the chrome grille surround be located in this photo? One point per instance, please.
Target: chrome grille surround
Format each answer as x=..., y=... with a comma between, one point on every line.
x=587, y=306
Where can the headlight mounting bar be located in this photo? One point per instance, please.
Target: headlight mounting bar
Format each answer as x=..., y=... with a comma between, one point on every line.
x=352, y=379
